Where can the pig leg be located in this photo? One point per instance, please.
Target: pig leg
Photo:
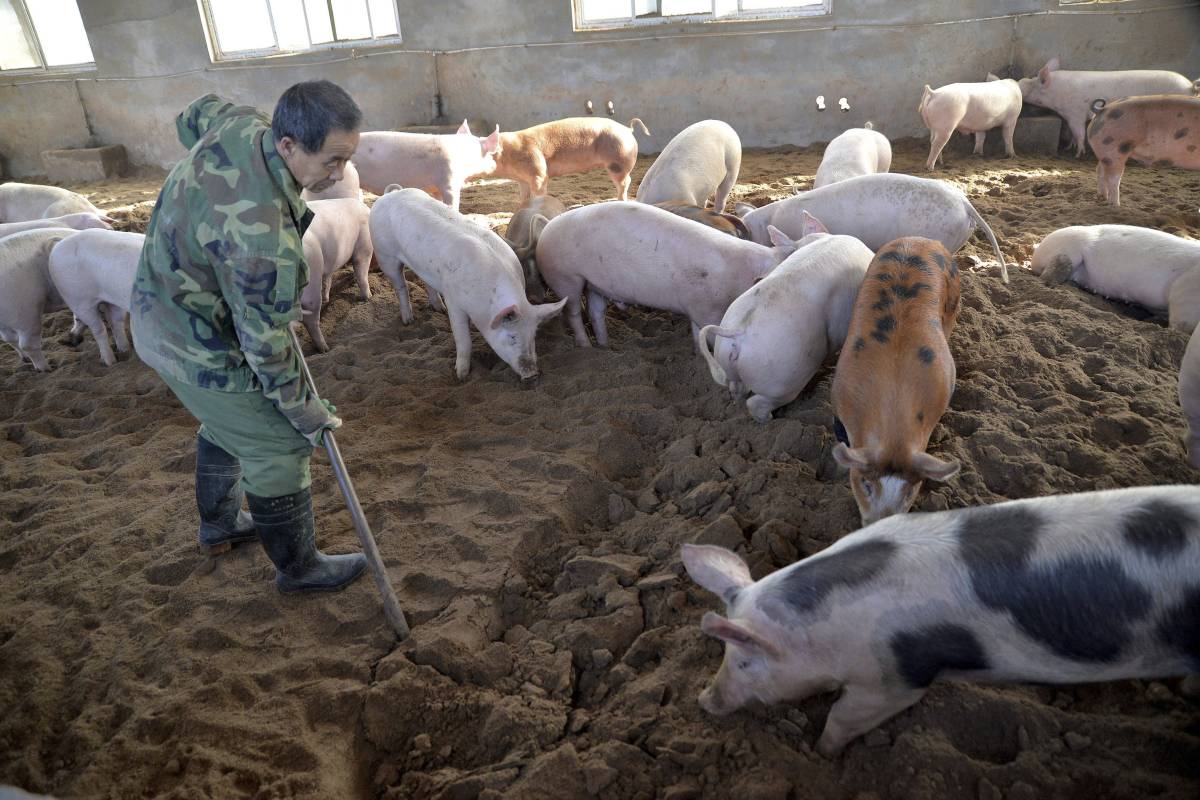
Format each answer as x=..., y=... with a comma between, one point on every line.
x=979, y=137
x=620, y=178
x=435, y=299
x=861, y=709
x=1182, y=298
x=362, y=265
x=460, y=327
x=597, y=303
x=1059, y=270
x=394, y=272
x=116, y=317
x=75, y=335
x=761, y=406
x=312, y=321
x=95, y=323
x=1077, y=125
x=1109, y=178
x=451, y=196
x=723, y=191
x=29, y=345
x=937, y=142
x=1007, y=133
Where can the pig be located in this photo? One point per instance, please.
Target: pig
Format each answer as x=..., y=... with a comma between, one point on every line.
x=858, y=151
x=1159, y=130
x=630, y=252
x=26, y=290
x=93, y=271
x=443, y=162
x=1074, y=588
x=576, y=144
x=348, y=187
x=776, y=335
x=339, y=233
x=970, y=108
x=80, y=220
x=717, y=220
x=875, y=209
x=522, y=234
x=22, y=202
x=1138, y=265
x=895, y=376
x=701, y=162
x=477, y=273
x=1070, y=93
x=1189, y=397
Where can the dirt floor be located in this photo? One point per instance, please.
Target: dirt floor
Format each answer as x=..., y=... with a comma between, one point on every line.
x=533, y=537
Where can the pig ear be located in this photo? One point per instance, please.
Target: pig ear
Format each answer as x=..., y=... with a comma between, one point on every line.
x=1044, y=72
x=536, y=226
x=491, y=144
x=993, y=77
x=742, y=209
x=505, y=315
x=778, y=237
x=734, y=633
x=720, y=571
x=811, y=225
x=547, y=310
x=852, y=458
x=934, y=468
x=464, y=128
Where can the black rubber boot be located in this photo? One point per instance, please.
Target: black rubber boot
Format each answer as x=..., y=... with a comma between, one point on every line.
x=285, y=526
x=223, y=523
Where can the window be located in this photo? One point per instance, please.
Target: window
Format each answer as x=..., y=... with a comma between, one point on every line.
x=42, y=34
x=620, y=13
x=247, y=28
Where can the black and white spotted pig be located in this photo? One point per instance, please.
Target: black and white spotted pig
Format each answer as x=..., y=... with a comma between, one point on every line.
x=1067, y=589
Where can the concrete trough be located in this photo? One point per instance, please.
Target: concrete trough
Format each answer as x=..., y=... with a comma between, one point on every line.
x=83, y=164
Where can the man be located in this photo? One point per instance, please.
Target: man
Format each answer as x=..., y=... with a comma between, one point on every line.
x=217, y=287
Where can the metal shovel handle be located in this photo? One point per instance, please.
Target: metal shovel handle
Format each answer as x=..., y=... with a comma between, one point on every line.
x=391, y=606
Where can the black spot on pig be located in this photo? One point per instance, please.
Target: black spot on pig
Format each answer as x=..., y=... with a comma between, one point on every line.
x=1191, y=148
x=903, y=292
x=859, y=343
x=839, y=431
x=920, y=416
x=998, y=538
x=883, y=303
x=1126, y=147
x=1108, y=140
x=923, y=654
x=883, y=326
x=939, y=259
x=883, y=276
x=1158, y=528
x=807, y=584
x=1106, y=160
x=1179, y=626
x=926, y=355
x=1182, y=132
x=1163, y=162
x=913, y=261
x=1116, y=113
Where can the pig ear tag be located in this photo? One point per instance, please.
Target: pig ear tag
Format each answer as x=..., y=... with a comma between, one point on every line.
x=506, y=316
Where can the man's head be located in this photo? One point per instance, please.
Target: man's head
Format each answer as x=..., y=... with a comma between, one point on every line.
x=316, y=131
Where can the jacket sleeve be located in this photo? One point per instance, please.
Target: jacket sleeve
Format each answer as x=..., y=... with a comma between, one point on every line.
x=197, y=118
x=263, y=301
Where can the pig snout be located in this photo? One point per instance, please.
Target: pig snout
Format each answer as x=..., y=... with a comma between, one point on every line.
x=712, y=701
x=527, y=367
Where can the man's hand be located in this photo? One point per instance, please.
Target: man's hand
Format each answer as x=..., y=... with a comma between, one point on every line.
x=332, y=422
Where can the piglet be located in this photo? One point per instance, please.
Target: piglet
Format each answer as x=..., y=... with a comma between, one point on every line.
x=576, y=144
x=21, y=202
x=473, y=268
x=26, y=290
x=1074, y=588
x=1159, y=130
x=1138, y=265
x=629, y=252
x=970, y=108
x=524, y=228
x=775, y=336
x=700, y=162
x=80, y=221
x=93, y=272
x=338, y=233
x=858, y=151
x=443, y=162
x=717, y=220
x=895, y=375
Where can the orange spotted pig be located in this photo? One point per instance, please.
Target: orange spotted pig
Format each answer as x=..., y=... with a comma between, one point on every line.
x=1161, y=130
x=895, y=375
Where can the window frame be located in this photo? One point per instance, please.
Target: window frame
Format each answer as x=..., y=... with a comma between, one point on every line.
x=217, y=55
x=25, y=20
x=580, y=23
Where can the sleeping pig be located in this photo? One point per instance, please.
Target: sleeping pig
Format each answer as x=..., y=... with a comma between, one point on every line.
x=1075, y=588
x=1159, y=130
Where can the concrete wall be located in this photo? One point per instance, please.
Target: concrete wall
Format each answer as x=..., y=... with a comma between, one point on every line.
x=519, y=62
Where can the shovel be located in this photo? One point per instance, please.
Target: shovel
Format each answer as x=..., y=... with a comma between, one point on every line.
x=391, y=606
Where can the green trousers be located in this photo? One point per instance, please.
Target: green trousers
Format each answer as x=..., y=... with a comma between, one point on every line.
x=273, y=454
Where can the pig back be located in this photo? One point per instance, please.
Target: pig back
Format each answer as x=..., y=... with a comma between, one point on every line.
x=1163, y=129
x=692, y=165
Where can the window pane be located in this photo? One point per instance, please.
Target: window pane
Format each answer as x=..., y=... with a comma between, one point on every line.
x=755, y=5
x=242, y=25
x=318, y=21
x=16, y=52
x=289, y=24
x=60, y=32
x=674, y=7
x=383, y=17
x=350, y=19
x=606, y=9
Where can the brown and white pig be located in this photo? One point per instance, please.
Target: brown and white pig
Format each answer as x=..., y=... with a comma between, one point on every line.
x=1139, y=265
x=1073, y=588
x=858, y=151
x=629, y=252
x=970, y=108
x=423, y=160
x=21, y=202
x=474, y=269
x=339, y=232
x=895, y=376
x=94, y=272
x=1159, y=130
x=1070, y=93
x=524, y=228
x=1189, y=397
x=576, y=144
x=717, y=220
x=875, y=209
x=80, y=221
x=776, y=335
x=700, y=162
x=26, y=290
x=348, y=187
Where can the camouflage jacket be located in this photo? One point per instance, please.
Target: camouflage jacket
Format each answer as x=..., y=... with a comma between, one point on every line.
x=222, y=267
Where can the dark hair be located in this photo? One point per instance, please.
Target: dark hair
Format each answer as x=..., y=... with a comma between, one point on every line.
x=308, y=111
